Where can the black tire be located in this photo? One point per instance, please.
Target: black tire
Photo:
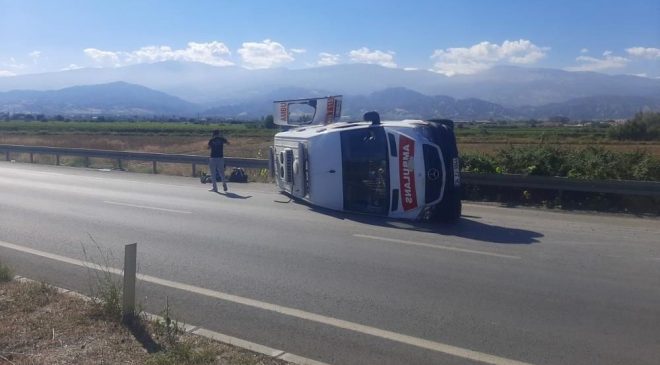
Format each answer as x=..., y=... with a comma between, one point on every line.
x=451, y=211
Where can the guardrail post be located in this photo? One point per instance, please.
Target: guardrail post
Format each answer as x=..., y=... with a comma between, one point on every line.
x=119, y=164
x=86, y=161
x=57, y=160
x=31, y=157
x=194, y=170
x=130, y=265
x=154, y=167
x=7, y=155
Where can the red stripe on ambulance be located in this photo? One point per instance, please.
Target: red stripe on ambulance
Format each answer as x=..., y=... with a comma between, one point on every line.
x=407, y=173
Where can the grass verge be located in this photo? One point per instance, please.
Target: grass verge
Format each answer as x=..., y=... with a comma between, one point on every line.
x=42, y=326
x=5, y=273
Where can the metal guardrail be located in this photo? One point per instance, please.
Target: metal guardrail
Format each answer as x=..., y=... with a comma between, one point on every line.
x=624, y=187
x=647, y=188
x=128, y=156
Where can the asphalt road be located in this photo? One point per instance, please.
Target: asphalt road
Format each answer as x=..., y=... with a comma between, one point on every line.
x=502, y=285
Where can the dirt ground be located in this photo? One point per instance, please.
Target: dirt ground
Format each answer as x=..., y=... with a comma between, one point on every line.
x=42, y=326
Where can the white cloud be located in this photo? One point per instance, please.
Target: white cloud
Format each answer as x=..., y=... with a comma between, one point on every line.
x=70, y=67
x=365, y=55
x=410, y=69
x=13, y=64
x=5, y=73
x=298, y=50
x=212, y=53
x=104, y=58
x=608, y=61
x=649, y=53
x=266, y=54
x=328, y=59
x=34, y=55
x=484, y=55
x=584, y=50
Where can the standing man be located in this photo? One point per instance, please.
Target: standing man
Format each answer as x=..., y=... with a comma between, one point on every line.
x=216, y=160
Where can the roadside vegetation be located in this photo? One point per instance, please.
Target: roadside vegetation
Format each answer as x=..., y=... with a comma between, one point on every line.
x=643, y=127
x=253, y=129
x=5, y=273
x=41, y=325
x=593, y=162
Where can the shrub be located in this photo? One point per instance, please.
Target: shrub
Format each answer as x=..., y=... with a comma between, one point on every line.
x=478, y=163
x=543, y=160
x=591, y=162
x=643, y=127
x=5, y=273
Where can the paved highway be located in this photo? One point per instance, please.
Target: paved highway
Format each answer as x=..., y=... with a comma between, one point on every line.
x=502, y=286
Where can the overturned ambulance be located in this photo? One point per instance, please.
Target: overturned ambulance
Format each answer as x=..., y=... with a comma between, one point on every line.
x=401, y=169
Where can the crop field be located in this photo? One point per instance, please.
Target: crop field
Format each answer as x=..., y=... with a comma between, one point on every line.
x=129, y=128
x=253, y=141
x=491, y=147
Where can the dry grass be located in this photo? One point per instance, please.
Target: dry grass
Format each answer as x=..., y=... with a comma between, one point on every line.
x=239, y=146
x=5, y=273
x=41, y=326
x=250, y=147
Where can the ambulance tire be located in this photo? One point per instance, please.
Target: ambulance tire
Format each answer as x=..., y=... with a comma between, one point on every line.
x=449, y=210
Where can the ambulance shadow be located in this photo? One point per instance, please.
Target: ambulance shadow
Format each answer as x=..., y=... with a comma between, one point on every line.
x=479, y=231
x=466, y=227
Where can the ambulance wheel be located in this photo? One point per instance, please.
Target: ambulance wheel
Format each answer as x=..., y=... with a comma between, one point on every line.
x=451, y=210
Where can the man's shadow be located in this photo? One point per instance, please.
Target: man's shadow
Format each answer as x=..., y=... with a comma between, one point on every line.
x=233, y=195
x=466, y=227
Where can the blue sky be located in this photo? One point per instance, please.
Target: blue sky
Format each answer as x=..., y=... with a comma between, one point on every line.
x=449, y=37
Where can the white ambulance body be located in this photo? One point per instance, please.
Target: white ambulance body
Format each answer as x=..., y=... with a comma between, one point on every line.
x=401, y=169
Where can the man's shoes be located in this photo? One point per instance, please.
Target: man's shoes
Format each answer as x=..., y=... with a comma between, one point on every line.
x=213, y=190
x=224, y=187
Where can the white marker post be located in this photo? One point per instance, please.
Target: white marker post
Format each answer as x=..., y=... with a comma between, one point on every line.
x=128, y=305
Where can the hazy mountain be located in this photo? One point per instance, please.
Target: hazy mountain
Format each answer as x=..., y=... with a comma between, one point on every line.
x=219, y=86
x=595, y=107
x=118, y=98
x=401, y=103
x=518, y=86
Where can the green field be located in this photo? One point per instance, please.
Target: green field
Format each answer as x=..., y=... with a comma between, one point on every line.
x=131, y=128
x=576, y=151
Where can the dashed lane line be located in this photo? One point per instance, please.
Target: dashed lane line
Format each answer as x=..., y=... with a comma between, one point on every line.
x=439, y=247
x=148, y=207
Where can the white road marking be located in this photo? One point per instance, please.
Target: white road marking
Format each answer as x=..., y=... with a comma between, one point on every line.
x=148, y=207
x=255, y=347
x=439, y=247
x=297, y=313
x=82, y=176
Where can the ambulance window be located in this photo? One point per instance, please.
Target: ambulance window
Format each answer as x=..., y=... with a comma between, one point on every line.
x=392, y=140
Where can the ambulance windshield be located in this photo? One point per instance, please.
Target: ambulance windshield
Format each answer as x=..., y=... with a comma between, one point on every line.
x=365, y=170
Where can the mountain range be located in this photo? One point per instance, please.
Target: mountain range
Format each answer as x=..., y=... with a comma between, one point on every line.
x=185, y=88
